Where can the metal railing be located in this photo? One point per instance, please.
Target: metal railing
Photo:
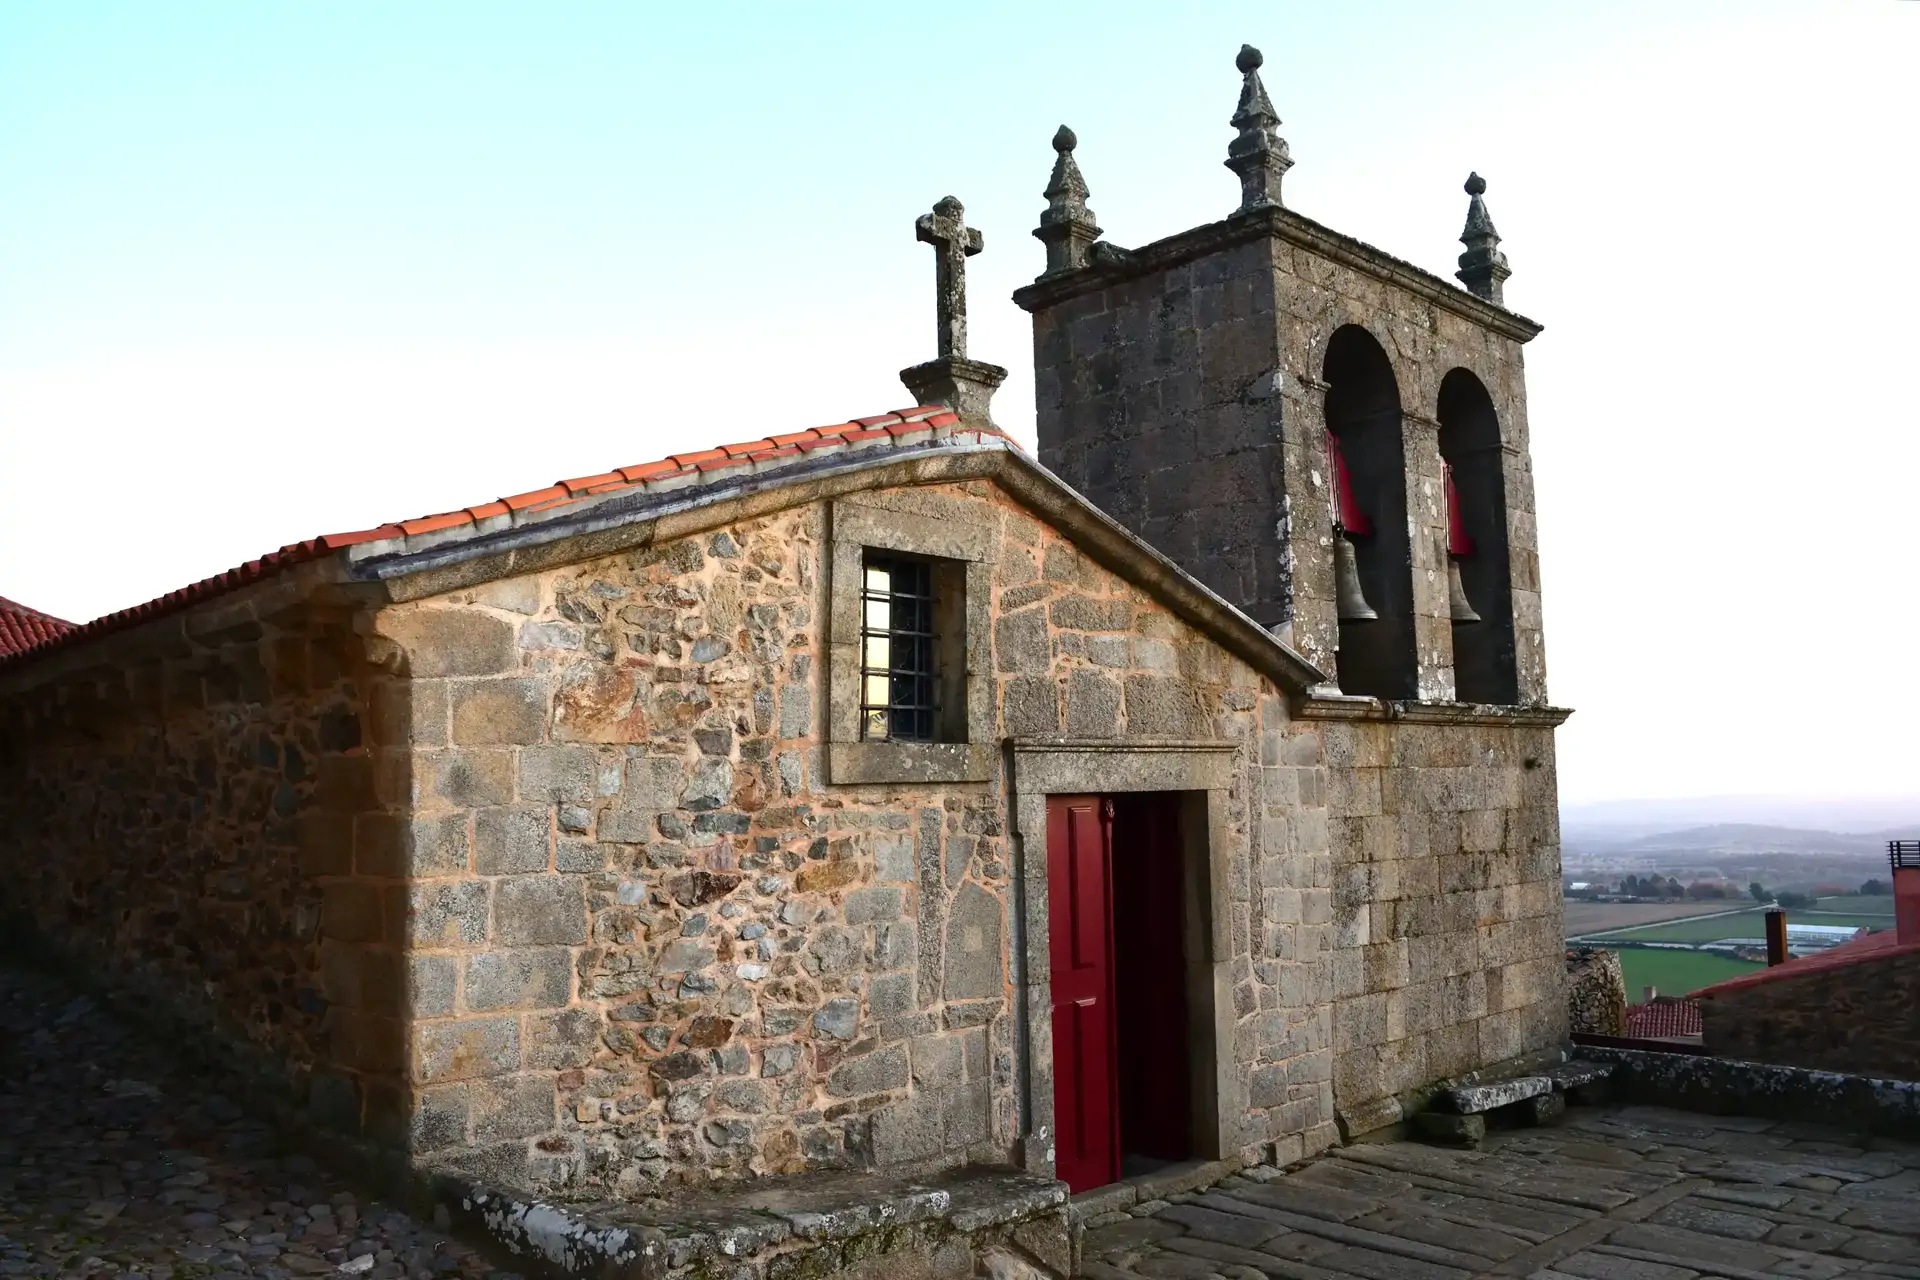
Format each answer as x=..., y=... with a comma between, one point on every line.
x=1903, y=853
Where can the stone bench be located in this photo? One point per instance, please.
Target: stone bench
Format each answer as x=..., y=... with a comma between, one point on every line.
x=1459, y=1114
x=799, y=1228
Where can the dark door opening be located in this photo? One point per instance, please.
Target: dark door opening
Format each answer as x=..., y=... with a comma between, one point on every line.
x=1124, y=910
x=1150, y=975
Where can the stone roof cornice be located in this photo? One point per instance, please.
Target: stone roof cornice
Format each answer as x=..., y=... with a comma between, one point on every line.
x=1116, y=265
x=630, y=521
x=1326, y=702
x=442, y=555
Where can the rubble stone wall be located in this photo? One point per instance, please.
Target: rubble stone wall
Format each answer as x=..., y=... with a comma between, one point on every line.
x=181, y=807
x=651, y=940
x=1448, y=953
x=1596, y=992
x=1861, y=1019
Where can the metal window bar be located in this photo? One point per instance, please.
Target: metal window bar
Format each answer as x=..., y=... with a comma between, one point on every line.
x=1903, y=853
x=899, y=685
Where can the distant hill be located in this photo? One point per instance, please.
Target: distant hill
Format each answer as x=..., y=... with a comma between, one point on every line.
x=1862, y=824
x=1750, y=838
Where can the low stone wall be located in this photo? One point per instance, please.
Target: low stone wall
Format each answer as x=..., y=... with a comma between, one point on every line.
x=1596, y=992
x=1727, y=1087
x=1862, y=1018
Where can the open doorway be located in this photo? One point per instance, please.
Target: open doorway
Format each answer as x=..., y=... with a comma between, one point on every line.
x=1132, y=988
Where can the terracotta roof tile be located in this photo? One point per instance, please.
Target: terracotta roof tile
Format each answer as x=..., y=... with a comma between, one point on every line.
x=1664, y=1018
x=432, y=524
x=1863, y=950
x=25, y=631
x=22, y=628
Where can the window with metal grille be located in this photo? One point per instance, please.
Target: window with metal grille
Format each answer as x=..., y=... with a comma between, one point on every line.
x=899, y=675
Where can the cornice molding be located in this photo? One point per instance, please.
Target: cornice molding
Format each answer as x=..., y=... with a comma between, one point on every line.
x=1291, y=228
x=1320, y=704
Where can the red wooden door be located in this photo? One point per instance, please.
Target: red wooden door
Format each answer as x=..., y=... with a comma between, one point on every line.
x=1080, y=933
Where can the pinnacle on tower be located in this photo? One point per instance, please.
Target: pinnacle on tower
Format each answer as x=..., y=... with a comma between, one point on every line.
x=1483, y=268
x=1066, y=227
x=1258, y=154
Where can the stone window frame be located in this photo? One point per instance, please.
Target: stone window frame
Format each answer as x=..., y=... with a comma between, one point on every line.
x=965, y=553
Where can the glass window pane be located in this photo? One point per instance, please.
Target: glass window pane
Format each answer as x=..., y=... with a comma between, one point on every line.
x=898, y=656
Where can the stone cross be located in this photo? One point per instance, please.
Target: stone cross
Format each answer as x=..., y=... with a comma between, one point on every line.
x=953, y=243
x=951, y=378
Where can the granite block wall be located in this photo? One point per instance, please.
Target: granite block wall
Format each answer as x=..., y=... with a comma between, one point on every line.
x=1188, y=401
x=1181, y=387
x=1448, y=953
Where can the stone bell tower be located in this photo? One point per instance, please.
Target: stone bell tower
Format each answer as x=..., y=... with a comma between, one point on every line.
x=1194, y=387
x=1335, y=441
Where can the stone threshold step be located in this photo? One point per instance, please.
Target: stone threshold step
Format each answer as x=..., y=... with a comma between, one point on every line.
x=1172, y=1180
x=776, y=1228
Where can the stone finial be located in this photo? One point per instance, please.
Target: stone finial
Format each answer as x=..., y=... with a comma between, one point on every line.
x=1483, y=268
x=1066, y=227
x=952, y=379
x=1258, y=154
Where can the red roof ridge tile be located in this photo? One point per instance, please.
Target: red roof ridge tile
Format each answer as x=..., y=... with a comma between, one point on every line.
x=1865, y=949
x=898, y=428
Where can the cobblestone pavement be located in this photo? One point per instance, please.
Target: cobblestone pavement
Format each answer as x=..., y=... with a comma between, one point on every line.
x=113, y=1163
x=1616, y=1193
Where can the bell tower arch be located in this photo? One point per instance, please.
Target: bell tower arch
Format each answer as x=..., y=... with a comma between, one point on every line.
x=1479, y=563
x=1373, y=561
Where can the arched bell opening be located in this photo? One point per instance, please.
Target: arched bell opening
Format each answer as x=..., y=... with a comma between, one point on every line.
x=1478, y=560
x=1373, y=562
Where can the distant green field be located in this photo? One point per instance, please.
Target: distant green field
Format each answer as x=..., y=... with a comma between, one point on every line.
x=1675, y=973
x=1739, y=924
x=1880, y=906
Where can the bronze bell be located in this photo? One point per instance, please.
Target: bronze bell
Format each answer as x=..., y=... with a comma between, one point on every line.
x=1458, y=605
x=1347, y=593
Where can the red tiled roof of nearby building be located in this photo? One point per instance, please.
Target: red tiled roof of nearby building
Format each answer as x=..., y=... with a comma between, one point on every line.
x=1663, y=1018
x=1863, y=950
x=22, y=628
x=903, y=427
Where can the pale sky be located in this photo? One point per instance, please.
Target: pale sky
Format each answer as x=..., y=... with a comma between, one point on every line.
x=268, y=271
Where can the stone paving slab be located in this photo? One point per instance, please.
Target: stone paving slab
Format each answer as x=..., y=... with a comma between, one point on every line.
x=1624, y=1193
x=115, y=1163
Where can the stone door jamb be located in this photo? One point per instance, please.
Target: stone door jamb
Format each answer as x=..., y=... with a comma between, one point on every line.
x=1039, y=767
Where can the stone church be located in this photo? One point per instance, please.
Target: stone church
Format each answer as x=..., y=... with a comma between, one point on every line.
x=876, y=796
